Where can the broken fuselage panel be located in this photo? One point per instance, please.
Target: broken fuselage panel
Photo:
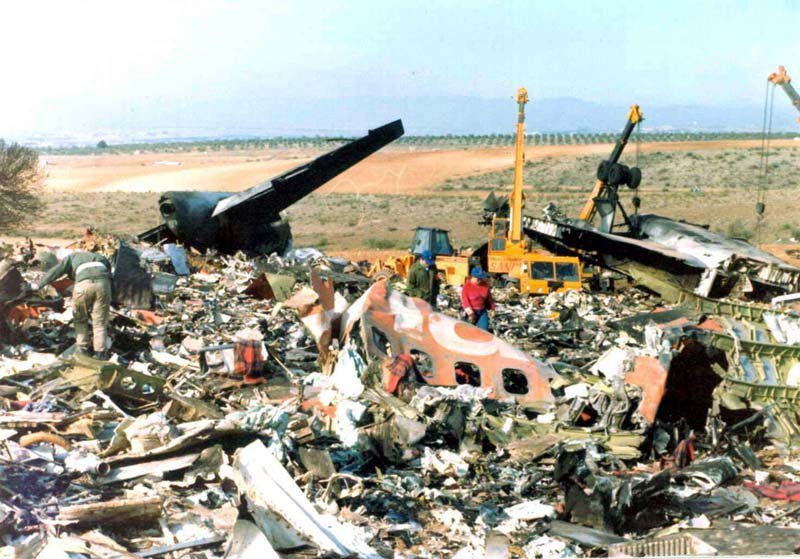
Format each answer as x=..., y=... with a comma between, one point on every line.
x=671, y=256
x=391, y=321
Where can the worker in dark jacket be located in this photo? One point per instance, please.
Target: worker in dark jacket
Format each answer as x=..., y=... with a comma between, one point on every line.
x=476, y=298
x=91, y=296
x=423, y=278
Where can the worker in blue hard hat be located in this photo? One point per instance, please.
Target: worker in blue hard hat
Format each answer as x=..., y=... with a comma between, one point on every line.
x=476, y=298
x=423, y=278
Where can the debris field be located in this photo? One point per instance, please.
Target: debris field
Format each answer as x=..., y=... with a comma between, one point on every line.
x=290, y=406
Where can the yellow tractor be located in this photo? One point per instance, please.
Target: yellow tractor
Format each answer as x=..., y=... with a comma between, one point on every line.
x=454, y=267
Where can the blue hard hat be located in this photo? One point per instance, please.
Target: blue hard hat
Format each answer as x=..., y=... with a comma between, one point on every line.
x=477, y=272
x=427, y=256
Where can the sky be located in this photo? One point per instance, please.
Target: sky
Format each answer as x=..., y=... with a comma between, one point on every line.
x=78, y=67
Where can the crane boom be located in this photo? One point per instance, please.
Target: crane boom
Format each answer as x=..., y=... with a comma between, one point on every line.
x=515, y=203
x=783, y=79
x=509, y=255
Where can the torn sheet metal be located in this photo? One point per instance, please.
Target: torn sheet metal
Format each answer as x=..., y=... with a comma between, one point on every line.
x=589, y=537
x=132, y=283
x=610, y=248
x=11, y=282
x=784, y=328
x=249, y=542
x=711, y=248
x=88, y=375
x=271, y=287
x=647, y=373
x=133, y=471
x=191, y=409
x=320, y=309
x=177, y=256
x=527, y=438
x=163, y=283
x=727, y=307
x=270, y=490
x=260, y=288
x=696, y=259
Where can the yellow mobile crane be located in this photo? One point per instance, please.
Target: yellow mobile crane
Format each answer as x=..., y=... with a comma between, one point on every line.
x=510, y=253
x=604, y=198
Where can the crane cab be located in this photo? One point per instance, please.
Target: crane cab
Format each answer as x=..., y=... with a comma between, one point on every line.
x=537, y=272
x=542, y=274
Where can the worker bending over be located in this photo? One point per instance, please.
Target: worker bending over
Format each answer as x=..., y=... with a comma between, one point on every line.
x=423, y=278
x=91, y=296
x=476, y=298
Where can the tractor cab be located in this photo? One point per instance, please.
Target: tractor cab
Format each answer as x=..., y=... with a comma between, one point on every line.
x=437, y=241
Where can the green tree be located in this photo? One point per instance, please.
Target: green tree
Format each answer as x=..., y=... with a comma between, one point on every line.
x=20, y=184
x=102, y=144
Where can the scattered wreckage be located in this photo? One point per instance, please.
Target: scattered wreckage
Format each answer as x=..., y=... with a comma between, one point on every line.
x=667, y=256
x=671, y=257
x=289, y=407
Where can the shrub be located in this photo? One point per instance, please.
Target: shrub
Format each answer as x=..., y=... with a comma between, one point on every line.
x=20, y=183
x=737, y=228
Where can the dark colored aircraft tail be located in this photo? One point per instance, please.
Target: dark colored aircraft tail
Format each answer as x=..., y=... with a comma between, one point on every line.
x=281, y=192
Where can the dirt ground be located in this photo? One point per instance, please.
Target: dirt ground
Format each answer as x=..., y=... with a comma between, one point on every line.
x=390, y=172
x=373, y=208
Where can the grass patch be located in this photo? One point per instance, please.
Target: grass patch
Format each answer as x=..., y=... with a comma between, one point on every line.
x=380, y=244
x=738, y=169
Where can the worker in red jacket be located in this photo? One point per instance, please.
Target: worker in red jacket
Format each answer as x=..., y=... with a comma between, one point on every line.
x=476, y=298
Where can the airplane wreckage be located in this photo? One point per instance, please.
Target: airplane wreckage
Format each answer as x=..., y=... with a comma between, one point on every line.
x=297, y=406
x=673, y=258
x=250, y=221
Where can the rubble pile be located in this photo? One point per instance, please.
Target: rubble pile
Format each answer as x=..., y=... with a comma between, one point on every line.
x=290, y=407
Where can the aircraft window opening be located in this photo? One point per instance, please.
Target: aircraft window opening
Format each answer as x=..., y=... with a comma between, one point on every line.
x=515, y=382
x=424, y=362
x=467, y=373
x=380, y=340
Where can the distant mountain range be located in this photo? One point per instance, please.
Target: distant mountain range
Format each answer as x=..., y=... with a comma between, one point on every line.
x=272, y=117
